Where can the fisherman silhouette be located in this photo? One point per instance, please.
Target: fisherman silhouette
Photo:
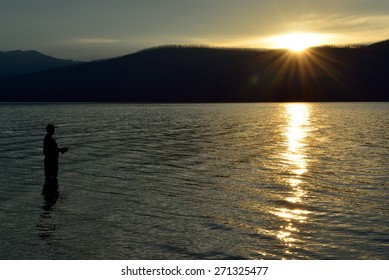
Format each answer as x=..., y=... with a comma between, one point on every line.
x=51, y=152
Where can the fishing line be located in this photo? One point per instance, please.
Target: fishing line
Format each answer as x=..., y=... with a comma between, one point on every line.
x=99, y=130
x=83, y=138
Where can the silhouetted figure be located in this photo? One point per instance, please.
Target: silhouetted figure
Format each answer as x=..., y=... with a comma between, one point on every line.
x=51, y=152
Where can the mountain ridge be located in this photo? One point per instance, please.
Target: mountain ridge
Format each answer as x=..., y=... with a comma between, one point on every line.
x=201, y=74
x=18, y=62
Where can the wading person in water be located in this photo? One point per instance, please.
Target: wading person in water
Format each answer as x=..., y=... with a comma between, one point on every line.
x=51, y=152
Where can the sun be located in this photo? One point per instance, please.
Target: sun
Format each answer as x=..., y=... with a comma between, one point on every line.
x=297, y=42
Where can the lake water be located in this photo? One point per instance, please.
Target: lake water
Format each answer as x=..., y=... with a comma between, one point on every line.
x=197, y=181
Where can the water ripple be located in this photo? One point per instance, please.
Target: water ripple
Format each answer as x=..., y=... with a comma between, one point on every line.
x=191, y=181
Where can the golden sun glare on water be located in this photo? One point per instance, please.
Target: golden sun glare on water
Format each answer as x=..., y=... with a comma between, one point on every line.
x=298, y=42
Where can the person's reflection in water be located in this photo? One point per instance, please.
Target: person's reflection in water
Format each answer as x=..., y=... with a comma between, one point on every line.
x=50, y=195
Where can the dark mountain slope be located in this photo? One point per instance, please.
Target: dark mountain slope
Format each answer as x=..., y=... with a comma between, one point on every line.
x=190, y=74
x=14, y=63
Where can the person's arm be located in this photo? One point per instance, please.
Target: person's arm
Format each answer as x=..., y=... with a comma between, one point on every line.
x=51, y=148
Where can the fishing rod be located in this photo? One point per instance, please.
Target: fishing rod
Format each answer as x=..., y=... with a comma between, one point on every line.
x=97, y=131
x=79, y=140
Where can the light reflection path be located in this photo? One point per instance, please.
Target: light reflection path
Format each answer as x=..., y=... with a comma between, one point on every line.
x=296, y=165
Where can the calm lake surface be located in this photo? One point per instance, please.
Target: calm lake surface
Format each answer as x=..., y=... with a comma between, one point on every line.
x=197, y=181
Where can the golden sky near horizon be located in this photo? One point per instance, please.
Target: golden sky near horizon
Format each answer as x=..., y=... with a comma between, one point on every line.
x=91, y=29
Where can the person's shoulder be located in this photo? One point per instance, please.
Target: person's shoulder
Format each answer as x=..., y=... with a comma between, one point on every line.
x=48, y=138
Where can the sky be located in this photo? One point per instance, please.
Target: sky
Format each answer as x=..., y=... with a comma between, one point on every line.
x=95, y=29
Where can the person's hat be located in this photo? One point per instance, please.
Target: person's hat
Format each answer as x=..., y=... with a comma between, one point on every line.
x=50, y=127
